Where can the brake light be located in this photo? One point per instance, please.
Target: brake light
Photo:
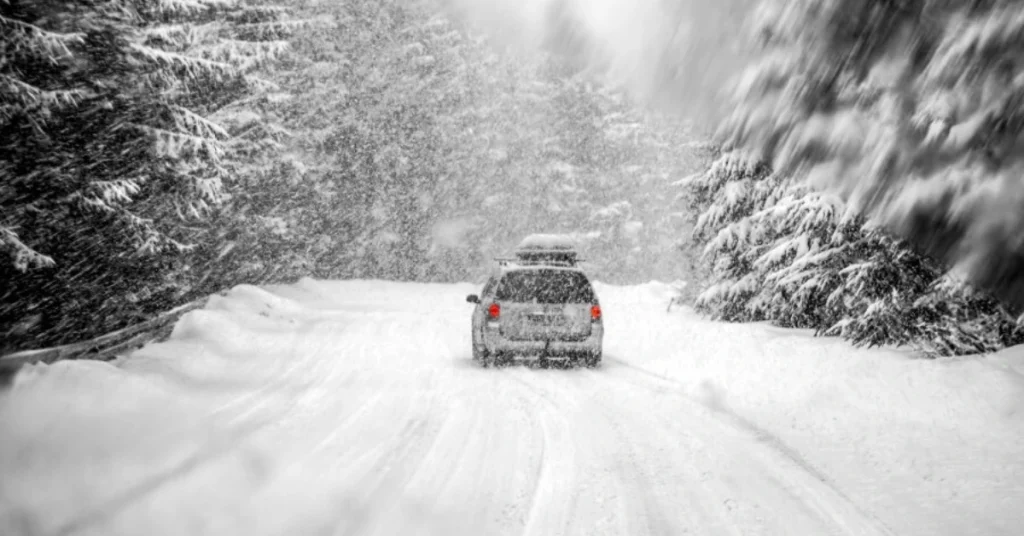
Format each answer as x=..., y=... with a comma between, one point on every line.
x=494, y=311
x=595, y=312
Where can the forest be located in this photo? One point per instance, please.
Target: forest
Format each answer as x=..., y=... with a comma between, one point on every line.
x=156, y=151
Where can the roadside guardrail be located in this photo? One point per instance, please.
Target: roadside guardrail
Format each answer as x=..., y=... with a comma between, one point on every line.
x=103, y=348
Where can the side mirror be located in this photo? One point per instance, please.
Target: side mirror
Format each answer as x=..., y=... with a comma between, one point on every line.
x=473, y=298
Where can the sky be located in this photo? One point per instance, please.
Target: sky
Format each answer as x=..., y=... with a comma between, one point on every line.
x=674, y=55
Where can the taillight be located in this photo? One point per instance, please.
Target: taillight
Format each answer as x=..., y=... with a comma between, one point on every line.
x=494, y=311
x=595, y=312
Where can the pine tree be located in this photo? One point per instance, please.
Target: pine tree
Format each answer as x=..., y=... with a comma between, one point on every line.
x=783, y=252
x=909, y=110
x=108, y=156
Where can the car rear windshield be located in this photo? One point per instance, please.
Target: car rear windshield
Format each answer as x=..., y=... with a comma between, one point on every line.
x=545, y=286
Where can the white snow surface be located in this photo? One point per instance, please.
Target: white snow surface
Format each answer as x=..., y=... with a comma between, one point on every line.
x=547, y=241
x=353, y=408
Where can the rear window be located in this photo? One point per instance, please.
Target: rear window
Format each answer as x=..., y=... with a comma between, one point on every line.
x=545, y=286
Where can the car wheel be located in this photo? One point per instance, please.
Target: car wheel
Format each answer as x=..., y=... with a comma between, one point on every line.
x=483, y=357
x=500, y=359
x=479, y=350
x=593, y=360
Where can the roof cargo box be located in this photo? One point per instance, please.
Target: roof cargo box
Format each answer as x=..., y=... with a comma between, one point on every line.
x=557, y=250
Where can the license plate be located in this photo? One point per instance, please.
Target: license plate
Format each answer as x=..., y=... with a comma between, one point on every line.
x=547, y=320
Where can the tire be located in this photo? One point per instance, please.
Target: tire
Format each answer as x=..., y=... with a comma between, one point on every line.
x=479, y=352
x=499, y=360
x=593, y=360
x=481, y=355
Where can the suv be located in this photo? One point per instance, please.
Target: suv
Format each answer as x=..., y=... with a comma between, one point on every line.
x=539, y=304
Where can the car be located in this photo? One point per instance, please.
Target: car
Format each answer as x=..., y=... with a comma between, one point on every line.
x=539, y=305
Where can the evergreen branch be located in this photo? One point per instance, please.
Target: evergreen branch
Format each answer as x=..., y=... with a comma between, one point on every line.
x=192, y=67
x=210, y=189
x=24, y=256
x=188, y=7
x=198, y=125
x=261, y=84
x=243, y=55
x=25, y=95
x=176, y=34
x=19, y=36
x=259, y=31
x=117, y=190
x=180, y=145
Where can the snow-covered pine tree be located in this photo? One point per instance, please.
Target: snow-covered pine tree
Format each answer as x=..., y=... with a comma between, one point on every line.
x=107, y=148
x=953, y=318
x=734, y=187
x=799, y=258
x=909, y=110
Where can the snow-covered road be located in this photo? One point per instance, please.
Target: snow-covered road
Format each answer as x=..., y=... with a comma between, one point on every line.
x=352, y=408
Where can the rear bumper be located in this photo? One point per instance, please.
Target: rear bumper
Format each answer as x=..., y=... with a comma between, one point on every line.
x=497, y=344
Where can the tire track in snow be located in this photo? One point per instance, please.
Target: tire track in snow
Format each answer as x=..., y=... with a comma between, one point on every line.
x=656, y=518
x=552, y=497
x=490, y=463
x=694, y=465
x=820, y=491
x=642, y=500
x=304, y=431
x=445, y=463
x=268, y=395
x=418, y=468
x=350, y=460
x=718, y=479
